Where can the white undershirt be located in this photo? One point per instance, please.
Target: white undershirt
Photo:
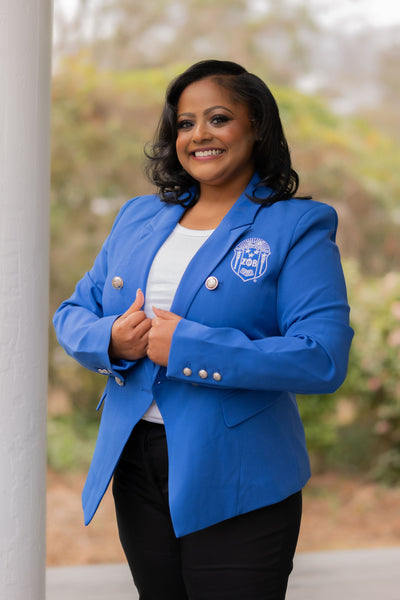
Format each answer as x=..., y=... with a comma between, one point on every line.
x=165, y=274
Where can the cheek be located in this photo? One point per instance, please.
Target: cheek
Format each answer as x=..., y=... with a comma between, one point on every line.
x=180, y=146
x=241, y=138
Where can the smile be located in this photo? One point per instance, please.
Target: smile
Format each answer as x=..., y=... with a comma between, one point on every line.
x=205, y=153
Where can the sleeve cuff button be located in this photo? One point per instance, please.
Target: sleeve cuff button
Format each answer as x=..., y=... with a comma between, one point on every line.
x=217, y=376
x=187, y=371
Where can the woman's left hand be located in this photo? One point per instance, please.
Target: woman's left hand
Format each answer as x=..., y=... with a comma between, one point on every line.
x=160, y=335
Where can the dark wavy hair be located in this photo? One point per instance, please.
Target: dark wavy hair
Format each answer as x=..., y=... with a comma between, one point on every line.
x=271, y=152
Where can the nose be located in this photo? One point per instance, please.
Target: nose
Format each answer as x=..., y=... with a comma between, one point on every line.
x=201, y=132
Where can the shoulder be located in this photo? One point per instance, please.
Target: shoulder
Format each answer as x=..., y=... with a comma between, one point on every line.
x=144, y=206
x=137, y=211
x=290, y=214
x=296, y=208
x=285, y=223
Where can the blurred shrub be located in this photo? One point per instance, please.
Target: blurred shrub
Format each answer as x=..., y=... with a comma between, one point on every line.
x=69, y=444
x=367, y=437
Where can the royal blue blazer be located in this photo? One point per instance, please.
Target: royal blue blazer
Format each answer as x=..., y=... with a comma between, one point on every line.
x=265, y=315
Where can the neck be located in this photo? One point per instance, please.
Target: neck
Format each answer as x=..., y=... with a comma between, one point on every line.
x=224, y=195
x=213, y=204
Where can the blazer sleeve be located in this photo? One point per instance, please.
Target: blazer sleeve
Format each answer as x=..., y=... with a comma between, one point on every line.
x=310, y=355
x=81, y=327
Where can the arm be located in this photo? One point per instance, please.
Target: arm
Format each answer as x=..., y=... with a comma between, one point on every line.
x=107, y=344
x=310, y=355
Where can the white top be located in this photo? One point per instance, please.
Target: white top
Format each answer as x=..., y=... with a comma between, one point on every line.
x=165, y=274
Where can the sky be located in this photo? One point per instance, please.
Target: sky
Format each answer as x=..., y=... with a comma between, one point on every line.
x=354, y=14
x=347, y=14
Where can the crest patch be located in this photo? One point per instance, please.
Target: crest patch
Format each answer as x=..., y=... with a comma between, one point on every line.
x=250, y=259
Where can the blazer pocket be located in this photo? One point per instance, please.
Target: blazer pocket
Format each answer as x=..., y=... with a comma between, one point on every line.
x=240, y=405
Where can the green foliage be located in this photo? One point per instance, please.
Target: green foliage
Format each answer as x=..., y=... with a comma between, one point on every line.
x=374, y=379
x=70, y=444
x=317, y=413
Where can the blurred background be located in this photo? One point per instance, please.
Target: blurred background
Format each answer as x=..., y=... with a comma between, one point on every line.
x=334, y=70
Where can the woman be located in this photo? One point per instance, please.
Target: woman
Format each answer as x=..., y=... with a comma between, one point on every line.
x=243, y=305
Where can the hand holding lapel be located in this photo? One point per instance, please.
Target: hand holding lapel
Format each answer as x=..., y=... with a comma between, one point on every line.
x=160, y=335
x=129, y=332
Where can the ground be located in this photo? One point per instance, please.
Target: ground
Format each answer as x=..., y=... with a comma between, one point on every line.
x=339, y=513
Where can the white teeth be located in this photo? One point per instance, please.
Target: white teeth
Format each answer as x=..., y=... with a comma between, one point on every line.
x=202, y=153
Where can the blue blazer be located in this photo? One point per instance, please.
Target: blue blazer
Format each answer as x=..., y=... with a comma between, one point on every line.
x=265, y=315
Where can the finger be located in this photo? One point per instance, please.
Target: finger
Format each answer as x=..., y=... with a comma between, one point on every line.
x=124, y=325
x=164, y=314
x=137, y=304
x=132, y=320
x=142, y=328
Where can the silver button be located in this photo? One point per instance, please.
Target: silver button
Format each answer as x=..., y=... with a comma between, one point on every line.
x=117, y=283
x=211, y=283
x=119, y=381
x=203, y=374
x=187, y=371
x=217, y=376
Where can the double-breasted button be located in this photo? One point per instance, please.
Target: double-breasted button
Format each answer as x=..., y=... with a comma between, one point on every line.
x=203, y=374
x=117, y=283
x=211, y=282
x=119, y=381
x=217, y=376
x=187, y=371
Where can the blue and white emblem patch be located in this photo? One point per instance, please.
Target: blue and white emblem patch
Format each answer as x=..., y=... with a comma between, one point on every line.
x=250, y=259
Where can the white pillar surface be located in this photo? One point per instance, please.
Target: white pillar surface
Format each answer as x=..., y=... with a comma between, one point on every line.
x=25, y=75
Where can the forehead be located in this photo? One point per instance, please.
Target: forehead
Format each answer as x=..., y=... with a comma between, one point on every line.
x=205, y=93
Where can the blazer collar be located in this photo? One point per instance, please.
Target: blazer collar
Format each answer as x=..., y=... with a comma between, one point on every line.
x=243, y=212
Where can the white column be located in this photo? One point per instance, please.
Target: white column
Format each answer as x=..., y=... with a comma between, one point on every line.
x=25, y=74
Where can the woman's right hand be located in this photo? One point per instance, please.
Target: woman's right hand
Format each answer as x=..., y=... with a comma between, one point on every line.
x=129, y=333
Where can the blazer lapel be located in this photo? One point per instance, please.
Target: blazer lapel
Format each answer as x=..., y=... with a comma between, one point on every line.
x=151, y=237
x=238, y=220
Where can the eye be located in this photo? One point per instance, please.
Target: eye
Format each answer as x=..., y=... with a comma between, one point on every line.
x=219, y=119
x=184, y=124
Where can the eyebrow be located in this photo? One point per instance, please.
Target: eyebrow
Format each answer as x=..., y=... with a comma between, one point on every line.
x=207, y=111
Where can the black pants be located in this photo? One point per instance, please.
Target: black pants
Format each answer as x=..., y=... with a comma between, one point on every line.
x=248, y=557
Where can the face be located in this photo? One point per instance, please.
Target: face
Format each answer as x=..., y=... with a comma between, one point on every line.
x=215, y=136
